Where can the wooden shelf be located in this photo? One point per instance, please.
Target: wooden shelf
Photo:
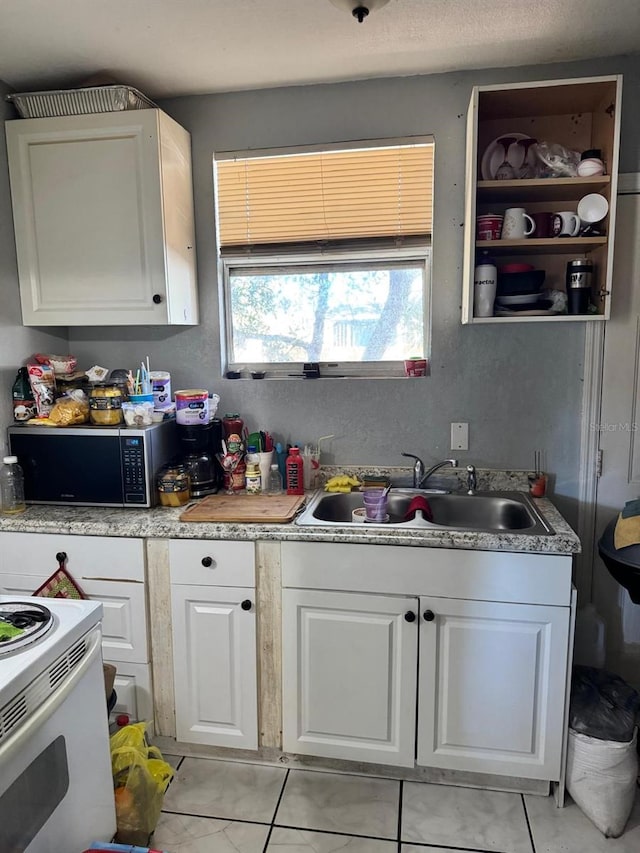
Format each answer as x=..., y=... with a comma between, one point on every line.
x=541, y=189
x=579, y=114
x=547, y=246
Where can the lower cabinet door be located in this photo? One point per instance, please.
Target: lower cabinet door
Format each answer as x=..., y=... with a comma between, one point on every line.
x=349, y=676
x=492, y=687
x=214, y=664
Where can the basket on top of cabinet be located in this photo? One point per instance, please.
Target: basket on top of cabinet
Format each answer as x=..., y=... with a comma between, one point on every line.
x=578, y=114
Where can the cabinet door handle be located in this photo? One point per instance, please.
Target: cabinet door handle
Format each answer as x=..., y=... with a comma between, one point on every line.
x=429, y=615
x=157, y=299
x=61, y=557
x=207, y=562
x=410, y=616
x=246, y=604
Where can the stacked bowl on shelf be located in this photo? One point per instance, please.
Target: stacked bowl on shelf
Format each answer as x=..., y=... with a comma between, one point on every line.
x=519, y=289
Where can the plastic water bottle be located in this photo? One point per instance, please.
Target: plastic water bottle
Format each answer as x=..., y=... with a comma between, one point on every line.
x=275, y=481
x=12, y=486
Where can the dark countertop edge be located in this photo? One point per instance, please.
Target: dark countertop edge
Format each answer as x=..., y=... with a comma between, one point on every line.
x=163, y=523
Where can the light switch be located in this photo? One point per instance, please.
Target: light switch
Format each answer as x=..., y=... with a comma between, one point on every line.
x=459, y=436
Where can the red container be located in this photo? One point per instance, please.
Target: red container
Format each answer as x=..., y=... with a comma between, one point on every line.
x=415, y=367
x=489, y=226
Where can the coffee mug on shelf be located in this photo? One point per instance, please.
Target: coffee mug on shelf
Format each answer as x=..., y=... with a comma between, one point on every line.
x=517, y=224
x=566, y=223
x=592, y=208
x=544, y=224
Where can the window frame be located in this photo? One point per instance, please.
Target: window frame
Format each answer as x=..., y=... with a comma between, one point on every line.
x=415, y=249
x=363, y=369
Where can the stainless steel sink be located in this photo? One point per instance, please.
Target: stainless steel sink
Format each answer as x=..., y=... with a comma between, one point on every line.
x=486, y=512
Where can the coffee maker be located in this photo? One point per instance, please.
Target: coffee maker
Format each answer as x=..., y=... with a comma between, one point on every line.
x=200, y=444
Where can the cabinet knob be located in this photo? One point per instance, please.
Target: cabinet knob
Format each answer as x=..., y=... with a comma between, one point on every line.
x=246, y=604
x=410, y=616
x=429, y=615
x=157, y=299
x=207, y=562
x=61, y=557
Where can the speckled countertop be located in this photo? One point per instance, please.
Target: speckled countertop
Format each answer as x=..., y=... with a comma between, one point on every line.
x=164, y=523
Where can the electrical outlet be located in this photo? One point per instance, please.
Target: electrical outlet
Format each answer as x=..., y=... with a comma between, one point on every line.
x=459, y=436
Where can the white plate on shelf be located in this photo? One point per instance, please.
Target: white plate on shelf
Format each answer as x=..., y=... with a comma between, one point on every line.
x=518, y=299
x=493, y=156
x=534, y=312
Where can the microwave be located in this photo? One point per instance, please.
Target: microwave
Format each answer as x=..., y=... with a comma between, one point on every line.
x=90, y=465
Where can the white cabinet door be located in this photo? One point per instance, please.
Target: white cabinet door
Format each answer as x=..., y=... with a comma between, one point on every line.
x=214, y=663
x=491, y=687
x=349, y=676
x=103, y=219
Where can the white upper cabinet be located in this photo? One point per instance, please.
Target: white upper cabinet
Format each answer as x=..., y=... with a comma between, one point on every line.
x=103, y=218
x=579, y=114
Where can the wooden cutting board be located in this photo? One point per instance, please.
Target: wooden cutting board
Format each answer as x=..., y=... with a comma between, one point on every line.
x=257, y=508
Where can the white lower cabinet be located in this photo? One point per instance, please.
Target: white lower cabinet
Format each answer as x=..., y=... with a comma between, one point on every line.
x=214, y=643
x=491, y=687
x=475, y=684
x=107, y=569
x=349, y=675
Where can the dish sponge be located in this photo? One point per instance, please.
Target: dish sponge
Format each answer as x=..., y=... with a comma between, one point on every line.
x=341, y=483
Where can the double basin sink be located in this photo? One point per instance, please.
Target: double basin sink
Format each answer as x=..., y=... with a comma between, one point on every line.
x=481, y=512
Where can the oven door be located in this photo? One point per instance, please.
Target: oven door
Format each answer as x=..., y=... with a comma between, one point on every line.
x=56, y=790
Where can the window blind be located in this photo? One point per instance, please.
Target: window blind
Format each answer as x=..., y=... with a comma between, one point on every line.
x=329, y=196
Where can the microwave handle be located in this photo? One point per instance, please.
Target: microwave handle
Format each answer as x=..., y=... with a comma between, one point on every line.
x=17, y=739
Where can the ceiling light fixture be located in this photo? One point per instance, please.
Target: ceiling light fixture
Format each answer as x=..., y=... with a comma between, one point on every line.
x=360, y=8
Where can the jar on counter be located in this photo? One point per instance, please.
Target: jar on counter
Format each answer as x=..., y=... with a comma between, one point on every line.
x=105, y=404
x=173, y=485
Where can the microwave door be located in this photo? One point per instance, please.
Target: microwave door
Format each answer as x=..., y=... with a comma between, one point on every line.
x=76, y=469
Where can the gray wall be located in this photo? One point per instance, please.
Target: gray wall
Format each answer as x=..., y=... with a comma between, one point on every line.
x=519, y=386
x=17, y=343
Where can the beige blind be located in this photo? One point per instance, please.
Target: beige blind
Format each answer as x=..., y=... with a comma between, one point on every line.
x=336, y=195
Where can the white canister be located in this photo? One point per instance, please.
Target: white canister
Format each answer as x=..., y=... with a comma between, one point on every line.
x=161, y=387
x=192, y=406
x=485, y=280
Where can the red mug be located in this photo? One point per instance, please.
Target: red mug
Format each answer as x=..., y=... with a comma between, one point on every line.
x=544, y=225
x=489, y=226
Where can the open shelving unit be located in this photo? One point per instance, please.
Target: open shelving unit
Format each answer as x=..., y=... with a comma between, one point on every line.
x=579, y=114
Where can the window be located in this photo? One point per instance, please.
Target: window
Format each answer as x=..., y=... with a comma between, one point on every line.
x=326, y=258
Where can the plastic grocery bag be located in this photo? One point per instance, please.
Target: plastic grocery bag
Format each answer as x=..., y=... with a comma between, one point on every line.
x=601, y=778
x=602, y=704
x=140, y=779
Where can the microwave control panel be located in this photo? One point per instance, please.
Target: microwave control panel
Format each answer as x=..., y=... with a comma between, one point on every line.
x=133, y=470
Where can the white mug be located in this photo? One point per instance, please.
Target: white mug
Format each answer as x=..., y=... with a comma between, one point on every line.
x=514, y=225
x=566, y=224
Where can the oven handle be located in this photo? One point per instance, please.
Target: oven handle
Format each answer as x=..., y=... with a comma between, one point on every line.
x=17, y=739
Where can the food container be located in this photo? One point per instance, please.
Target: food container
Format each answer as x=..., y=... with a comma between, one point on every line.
x=415, y=367
x=192, y=406
x=161, y=387
x=105, y=404
x=173, y=486
x=138, y=414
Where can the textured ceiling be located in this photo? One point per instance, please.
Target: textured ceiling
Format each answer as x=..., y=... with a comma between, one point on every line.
x=179, y=47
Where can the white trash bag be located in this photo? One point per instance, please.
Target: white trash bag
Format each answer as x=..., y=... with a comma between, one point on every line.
x=601, y=778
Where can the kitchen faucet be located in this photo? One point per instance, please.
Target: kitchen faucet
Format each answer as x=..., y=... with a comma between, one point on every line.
x=420, y=476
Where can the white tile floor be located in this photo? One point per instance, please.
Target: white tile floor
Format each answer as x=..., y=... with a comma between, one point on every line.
x=221, y=806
